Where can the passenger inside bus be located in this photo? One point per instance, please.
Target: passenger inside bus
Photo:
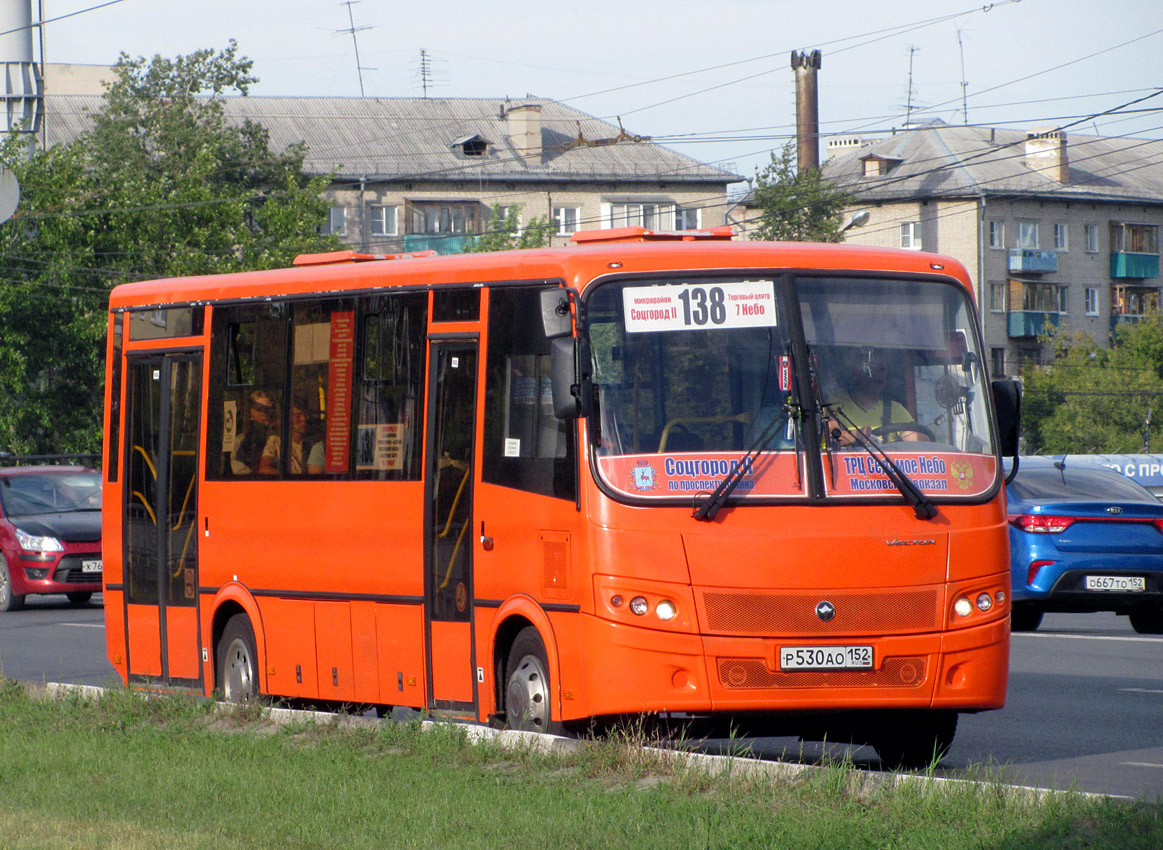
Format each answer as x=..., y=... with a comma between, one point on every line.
x=249, y=446
x=272, y=451
x=862, y=374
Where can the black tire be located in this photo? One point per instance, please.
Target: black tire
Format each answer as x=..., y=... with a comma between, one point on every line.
x=1147, y=621
x=80, y=597
x=238, y=661
x=528, y=693
x=915, y=740
x=1025, y=619
x=9, y=601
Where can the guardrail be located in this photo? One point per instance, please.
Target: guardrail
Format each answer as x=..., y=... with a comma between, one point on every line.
x=80, y=458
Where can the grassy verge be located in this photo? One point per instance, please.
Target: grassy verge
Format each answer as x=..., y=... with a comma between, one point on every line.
x=130, y=772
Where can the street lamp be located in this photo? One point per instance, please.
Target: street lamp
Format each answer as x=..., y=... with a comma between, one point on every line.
x=857, y=219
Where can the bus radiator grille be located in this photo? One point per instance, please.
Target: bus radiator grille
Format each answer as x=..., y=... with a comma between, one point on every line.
x=895, y=612
x=740, y=673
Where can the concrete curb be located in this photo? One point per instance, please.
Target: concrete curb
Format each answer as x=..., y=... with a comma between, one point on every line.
x=712, y=765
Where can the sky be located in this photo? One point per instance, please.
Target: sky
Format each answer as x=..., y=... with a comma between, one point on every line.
x=711, y=80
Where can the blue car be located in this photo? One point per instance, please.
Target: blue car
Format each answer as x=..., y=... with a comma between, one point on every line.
x=1084, y=539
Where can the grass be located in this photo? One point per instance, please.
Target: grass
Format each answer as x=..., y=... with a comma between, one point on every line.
x=125, y=771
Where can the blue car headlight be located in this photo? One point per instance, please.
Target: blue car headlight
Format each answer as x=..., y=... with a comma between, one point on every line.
x=35, y=543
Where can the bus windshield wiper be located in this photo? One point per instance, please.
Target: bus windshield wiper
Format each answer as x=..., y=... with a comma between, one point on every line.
x=922, y=505
x=709, y=509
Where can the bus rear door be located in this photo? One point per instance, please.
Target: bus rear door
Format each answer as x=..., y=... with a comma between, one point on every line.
x=160, y=541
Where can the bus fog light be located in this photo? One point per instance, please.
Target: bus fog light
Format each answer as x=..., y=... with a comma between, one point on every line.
x=616, y=600
x=638, y=605
x=984, y=601
x=1001, y=597
x=963, y=607
x=665, y=610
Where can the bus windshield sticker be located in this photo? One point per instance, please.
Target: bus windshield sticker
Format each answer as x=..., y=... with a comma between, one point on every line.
x=695, y=306
x=942, y=474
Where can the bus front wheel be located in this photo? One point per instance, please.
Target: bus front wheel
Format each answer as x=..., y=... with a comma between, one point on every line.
x=527, y=686
x=915, y=739
x=238, y=661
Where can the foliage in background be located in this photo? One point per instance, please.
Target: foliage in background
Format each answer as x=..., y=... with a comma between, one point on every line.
x=1093, y=400
x=506, y=233
x=161, y=185
x=797, y=207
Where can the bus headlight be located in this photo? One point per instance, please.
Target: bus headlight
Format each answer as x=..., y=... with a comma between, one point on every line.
x=665, y=610
x=963, y=607
x=984, y=602
x=638, y=605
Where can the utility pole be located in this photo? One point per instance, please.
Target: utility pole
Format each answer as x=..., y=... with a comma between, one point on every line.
x=1147, y=433
x=909, y=95
x=964, y=82
x=805, y=66
x=23, y=86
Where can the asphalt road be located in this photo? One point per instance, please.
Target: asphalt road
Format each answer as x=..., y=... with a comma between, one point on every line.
x=1085, y=706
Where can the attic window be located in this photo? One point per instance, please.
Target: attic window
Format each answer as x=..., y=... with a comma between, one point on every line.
x=475, y=146
x=878, y=166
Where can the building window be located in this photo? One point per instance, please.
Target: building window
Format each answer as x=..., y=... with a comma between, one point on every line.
x=383, y=220
x=1091, y=231
x=1134, y=238
x=1134, y=300
x=1063, y=299
x=566, y=219
x=911, y=235
x=1034, y=297
x=1027, y=234
x=997, y=234
x=1061, y=237
x=687, y=219
x=337, y=221
x=438, y=217
x=997, y=296
x=652, y=216
x=997, y=362
x=1091, y=301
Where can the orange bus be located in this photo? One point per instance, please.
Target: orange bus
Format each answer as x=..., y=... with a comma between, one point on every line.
x=639, y=474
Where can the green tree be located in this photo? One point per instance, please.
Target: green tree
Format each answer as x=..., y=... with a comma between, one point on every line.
x=1092, y=399
x=797, y=206
x=505, y=233
x=161, y=185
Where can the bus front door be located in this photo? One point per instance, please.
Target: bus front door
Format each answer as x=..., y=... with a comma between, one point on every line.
x=448, y=586
x=160, y=543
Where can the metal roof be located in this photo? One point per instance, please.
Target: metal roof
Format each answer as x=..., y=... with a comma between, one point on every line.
x=944, y=161
x=415, y=138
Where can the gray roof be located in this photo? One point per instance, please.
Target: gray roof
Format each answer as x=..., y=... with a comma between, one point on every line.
x=944, y=161
x=414, y=138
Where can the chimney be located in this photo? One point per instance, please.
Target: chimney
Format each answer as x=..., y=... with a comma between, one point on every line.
x=1046, y=154
x=525, y=130
x=807, y=110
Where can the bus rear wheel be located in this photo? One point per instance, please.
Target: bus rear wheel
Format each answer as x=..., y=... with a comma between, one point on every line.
x=914, y=740
x=527, y=686
x=238, y=661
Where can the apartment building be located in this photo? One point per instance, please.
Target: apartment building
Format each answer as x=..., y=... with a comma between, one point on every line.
x=412, y=174
x=1057, y=230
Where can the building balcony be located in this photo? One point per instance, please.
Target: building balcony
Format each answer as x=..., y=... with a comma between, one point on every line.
x=1125, y=264
x=1030, y=323
x=440, y=243
x=1118, y=319
x=1032, y=261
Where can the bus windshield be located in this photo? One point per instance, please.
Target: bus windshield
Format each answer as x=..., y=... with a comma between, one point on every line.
x=696, y=376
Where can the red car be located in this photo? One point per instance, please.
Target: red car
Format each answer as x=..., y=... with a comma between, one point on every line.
x=50, y=533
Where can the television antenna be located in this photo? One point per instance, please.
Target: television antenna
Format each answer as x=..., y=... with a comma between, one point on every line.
x=353, y=29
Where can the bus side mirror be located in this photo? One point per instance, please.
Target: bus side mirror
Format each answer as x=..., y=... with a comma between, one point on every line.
x=1007, y=401
x=572, y=377
x=555, y=318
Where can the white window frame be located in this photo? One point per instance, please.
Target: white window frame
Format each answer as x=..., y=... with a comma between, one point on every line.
x=378, y=219
x=1091, y=233
x=688, y=218
x=997, y=235
x=1063, y=300
x=1027, y=234
x=1061, y=237
x=910, y=235
x=562, y=220
x=337, y=221
x=998, y=294
x=1092, y=301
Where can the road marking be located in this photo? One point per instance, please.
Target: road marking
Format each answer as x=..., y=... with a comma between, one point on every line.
x=1088, y=637
x=85, y=625
x=1140, y=691
x=1141, y=764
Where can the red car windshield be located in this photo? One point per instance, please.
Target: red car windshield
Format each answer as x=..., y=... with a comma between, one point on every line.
x=30, y=494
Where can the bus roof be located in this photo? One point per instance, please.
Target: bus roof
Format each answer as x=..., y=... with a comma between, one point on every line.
x=576, y=265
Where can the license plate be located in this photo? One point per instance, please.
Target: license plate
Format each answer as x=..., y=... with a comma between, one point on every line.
x=1118, y=583
x=91, y=566
x=825, y=657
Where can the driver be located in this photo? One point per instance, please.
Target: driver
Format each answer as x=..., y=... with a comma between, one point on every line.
x=862, y=374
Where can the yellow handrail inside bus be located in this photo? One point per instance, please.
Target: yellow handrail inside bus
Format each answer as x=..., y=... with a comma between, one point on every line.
x=452, y=557
x=145, y=505
x=745, y=418
x=455, y=501
x=148, y=462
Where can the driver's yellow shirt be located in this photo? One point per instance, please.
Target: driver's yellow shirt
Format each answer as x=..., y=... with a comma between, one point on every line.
x=873, y=417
